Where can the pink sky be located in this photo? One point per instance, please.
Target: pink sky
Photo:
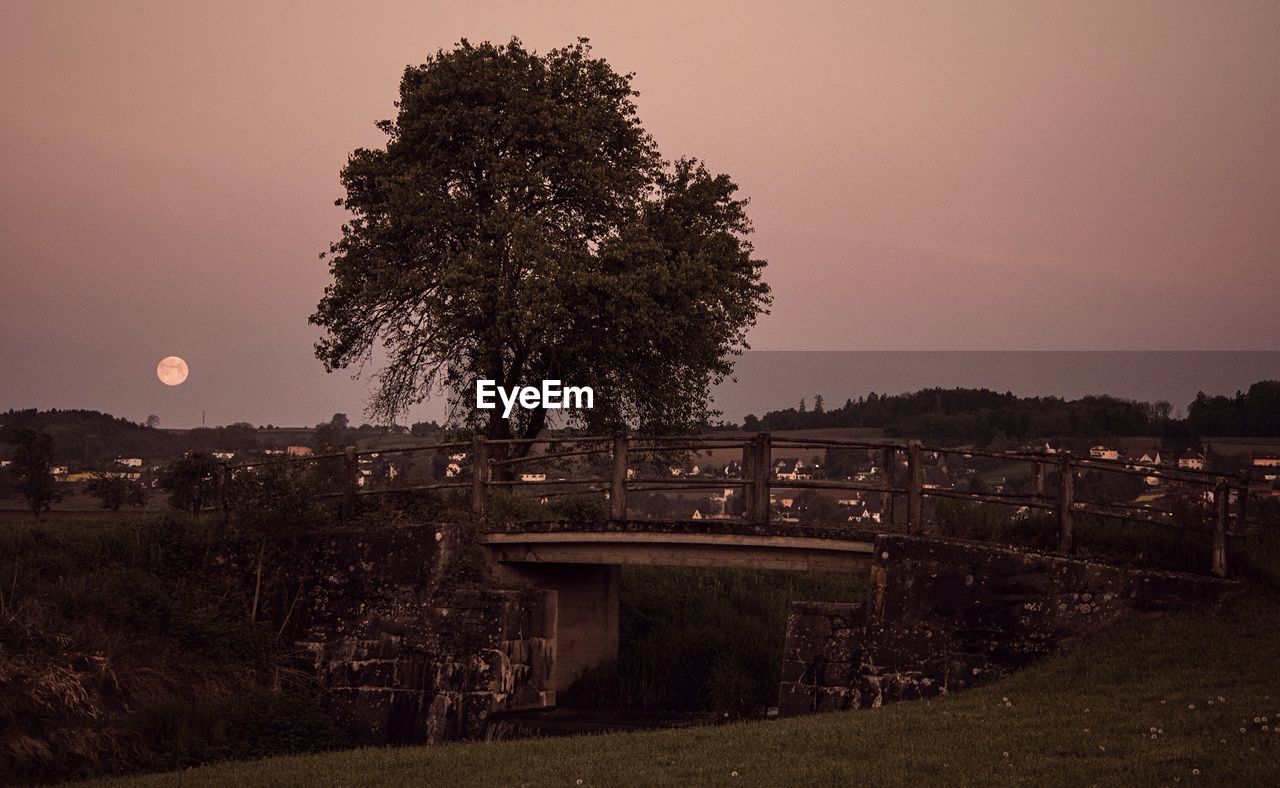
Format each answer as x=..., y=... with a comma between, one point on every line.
x=923, y=176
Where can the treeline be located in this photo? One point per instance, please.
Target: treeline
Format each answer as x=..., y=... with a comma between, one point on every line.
x=89, y=437
x=985, y=416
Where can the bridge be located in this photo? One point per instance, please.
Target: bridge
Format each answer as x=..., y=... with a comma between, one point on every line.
x=581, y=562
x=581, y=559
x=707, y=544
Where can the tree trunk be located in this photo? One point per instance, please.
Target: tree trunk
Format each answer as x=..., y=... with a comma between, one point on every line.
x=257, y=585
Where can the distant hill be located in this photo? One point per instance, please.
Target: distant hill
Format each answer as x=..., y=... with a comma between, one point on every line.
x=984, y=416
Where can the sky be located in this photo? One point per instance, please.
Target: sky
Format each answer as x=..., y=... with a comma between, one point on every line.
x=922, y=176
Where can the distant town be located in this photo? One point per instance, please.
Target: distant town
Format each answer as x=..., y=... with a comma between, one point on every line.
x=104, y=462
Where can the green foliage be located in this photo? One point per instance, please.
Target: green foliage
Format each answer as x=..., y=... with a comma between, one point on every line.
x=191, y=482
x=520, y=225
x=984, y=416
x=812, y=507
x=277, y=499
x=332, y=434
x=99, y=623
x=695, y=639
x=1254, y=412
x=31, y=470
x=114, y=491
x=582, y=508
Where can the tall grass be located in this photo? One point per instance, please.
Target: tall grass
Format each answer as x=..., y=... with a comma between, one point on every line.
x=127, y=645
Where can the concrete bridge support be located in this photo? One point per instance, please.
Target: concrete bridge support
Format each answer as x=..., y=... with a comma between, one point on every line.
x=586, y=618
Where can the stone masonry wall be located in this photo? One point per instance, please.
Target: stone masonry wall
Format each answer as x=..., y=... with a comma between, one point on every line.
x=403, y=658
x=945, y=614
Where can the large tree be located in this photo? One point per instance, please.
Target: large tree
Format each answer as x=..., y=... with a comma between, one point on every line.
x=520, y=225
x=32, y=470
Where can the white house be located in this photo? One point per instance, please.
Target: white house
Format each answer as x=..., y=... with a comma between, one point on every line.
x=135, y=462
x=1191, y=460
x=791, y=469
x=1147, y=457
x=1268, y=465
x=1103, y=453
x=533, y=476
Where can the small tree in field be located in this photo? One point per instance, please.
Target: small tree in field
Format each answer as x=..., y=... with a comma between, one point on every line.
x=520, y=226
x=113, y=491
x=191, y=482
x=32, y=468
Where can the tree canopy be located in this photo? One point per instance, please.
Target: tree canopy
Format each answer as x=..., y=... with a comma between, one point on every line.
x=519, y=226
x=32, y=470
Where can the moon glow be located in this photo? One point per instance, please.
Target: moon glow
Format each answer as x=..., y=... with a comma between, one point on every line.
x=171, y=370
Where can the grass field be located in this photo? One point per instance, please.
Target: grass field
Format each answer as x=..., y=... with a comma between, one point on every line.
x=1189, y=699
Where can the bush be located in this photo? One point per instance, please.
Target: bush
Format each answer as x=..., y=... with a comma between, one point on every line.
x=107, y=631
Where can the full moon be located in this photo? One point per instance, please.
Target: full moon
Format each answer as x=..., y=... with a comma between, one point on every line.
x=171, y=370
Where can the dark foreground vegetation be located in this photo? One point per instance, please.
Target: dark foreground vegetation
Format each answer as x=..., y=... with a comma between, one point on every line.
x=125, y=645
x=162, y=642
x=1186, y=699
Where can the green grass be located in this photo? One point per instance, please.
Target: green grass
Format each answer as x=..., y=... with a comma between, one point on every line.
x=1084, y=716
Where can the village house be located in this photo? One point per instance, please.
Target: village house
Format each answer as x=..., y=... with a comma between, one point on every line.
x=1103, y=453
x=1145, y=458
x=1267, y=465
x=935, y=478
x=533, y=476
x=130, y=462
x=792, y=469
x=298, y=451
x=1191, y=460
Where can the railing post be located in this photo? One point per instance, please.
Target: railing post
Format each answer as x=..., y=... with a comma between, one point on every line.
x=1242, y=505
x=618, y=487
x=761, y=471
x=223, y=506
x=748, y=480
x=1066, y=500
x=889, y=461
x=1037, y=478
x=1221, y=513
x=915, y=486
x=350, y=480
x=479, y=477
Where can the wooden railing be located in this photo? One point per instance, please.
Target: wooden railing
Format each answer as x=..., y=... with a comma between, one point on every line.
x=484, y=457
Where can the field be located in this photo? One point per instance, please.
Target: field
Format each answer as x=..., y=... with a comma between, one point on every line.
x=1188, y=699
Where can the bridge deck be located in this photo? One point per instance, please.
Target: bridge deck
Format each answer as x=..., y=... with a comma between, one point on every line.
x=715, y=544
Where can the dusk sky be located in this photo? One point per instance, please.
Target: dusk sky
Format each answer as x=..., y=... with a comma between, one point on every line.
x=940, y=176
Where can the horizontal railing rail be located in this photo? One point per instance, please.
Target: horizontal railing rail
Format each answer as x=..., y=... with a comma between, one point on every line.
x=484, y=466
